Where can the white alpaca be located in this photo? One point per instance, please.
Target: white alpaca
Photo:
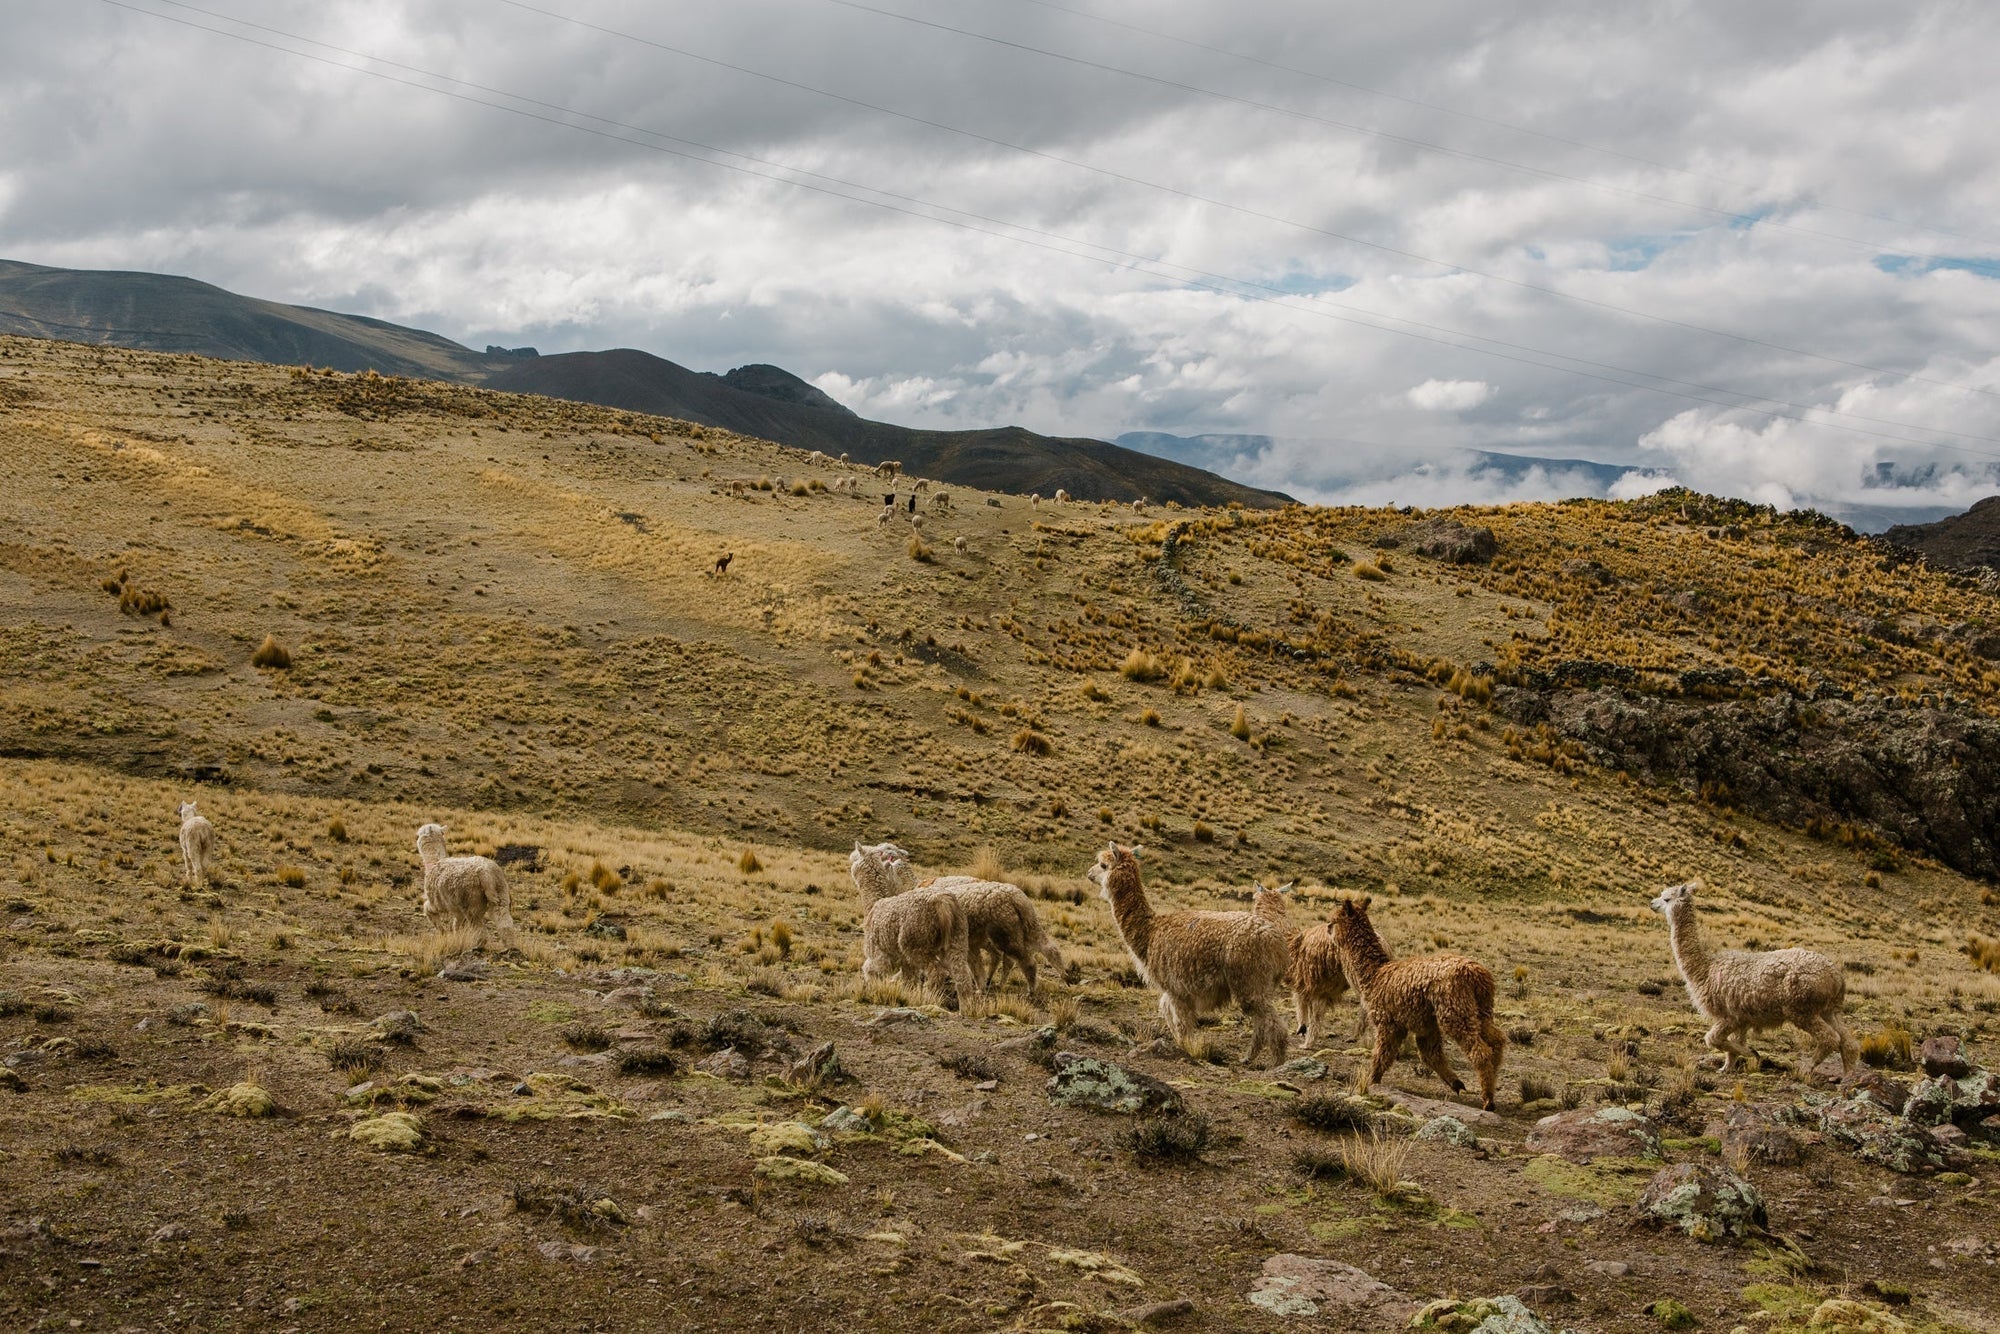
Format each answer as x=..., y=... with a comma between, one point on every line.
x=461, y=891
x=197, y=844
x=888, y=513
x=1034, y=500
x=920, y=933
x=1139, y=505
x=1062, y=496
x=816, y=456
x=958, y=544
x=888, y=468
x=1738, y=992
x=923, y=485
x=1002, y=928
x=917, y=522
x=941, y=501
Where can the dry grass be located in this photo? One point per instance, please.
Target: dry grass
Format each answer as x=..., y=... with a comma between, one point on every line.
x=271, y=654
x=431, y=950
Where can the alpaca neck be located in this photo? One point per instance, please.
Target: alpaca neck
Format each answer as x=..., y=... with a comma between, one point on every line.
x=1361, y=951
x=872, y=880
x=432, y=857
x=1690, y=951
x=1129, y=907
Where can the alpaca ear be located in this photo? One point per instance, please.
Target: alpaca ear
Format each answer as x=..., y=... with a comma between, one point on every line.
x=1285, y=888
x=1365, y=900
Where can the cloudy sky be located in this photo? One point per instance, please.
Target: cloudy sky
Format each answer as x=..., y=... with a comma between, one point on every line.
x=1758, y=251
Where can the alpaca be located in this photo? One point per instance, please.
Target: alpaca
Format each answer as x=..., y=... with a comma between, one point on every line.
x=736, y=488
x=958, y=545
x=1434, y=997
x=1003, y=929
x=1062, y=496
x=888, y=513
x=917, y=522
x=941, y=501
x=1139, y=505
x=722, y=563
x=197, y=845
x=1198, y=960
x=1739, y=992
x=917, y=932
x=888, y=468
x=923, y=484
x=1319, y=981
x=461, y=891
x=817, y=456
x=1034, y=500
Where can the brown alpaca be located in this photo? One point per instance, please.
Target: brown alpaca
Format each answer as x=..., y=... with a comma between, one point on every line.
x=1319, y=982
x=1199, y=960
x=1434, y=997
x=722, y=563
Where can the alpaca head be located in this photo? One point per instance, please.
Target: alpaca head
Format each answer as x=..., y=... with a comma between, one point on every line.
x=430, y=842
x=881, y=867
x=1114, y=858
x=187, y=810
x=1350, y=916
x=1675, y=897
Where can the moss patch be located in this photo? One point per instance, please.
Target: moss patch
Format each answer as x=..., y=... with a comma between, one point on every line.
x=1606, y=1181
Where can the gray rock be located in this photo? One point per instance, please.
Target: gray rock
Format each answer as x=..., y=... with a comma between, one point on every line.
x=1301, y=1067
x=1586, y=1134
x=634, y=998
x=1963, y=1101
x=1609, y=1268
x=1157, y=1312
x=1707, y=1203
x=1546, y=1294
x=1874, y=1134
x=729, y=1064
x=818, y=1068
x=847, y=1119
x=1944, y=1056
x=1750, y=1134
x=1449, y=1130
x=567, y=1250
x=397, y=1026
x=1305, y=1287
x=1428, y=1108
x=1089, y=1081
x=626, y=977
x=171, y=1232
x=1889, y=1094
x=605, y=928
x=465, y=970
x=901, y=1014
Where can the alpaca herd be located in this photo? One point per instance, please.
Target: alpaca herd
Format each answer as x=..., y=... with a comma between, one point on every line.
x=973, y=932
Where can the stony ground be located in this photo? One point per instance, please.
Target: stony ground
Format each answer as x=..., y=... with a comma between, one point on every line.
x=500, y=618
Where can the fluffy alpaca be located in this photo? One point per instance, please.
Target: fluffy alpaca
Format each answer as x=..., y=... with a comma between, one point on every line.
x=197, y=844
x=922, y=484
x=1434, y=997
x=1199, y=960
x=941, y=501
x=888, y=512
x=1062, y=496
x=1319, y=982
x=920, y=933
x=461, y=891
x=1739, y=992
x=958, y=544
x=1003, y=929
x=888, y=468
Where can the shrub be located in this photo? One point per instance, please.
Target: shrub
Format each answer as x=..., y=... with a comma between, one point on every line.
x=1892, y=1046
x=1331, y=1112
x=1150, y=717
x=1984, y=953
x=604, y=878
x=748, y=863
x=1239, y=726
x=1030, y=742
x=292, y=877
x=1095, y=693
x=918, y=551
x=781, y=937
x=1178, y=1137
x=1375, y=1162
x=355, y=1057
x=1534, y=1090
x=969, y=1065
x=1140, y=665
x=271, y=654
x=1370, y=571
x=585, y=1037
x=574, y=1206
x=1202, y=832
x=647, y=1061
x=337, y=831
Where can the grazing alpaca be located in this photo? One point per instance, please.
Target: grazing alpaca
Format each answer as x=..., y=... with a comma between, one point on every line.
x=1062, y=496
x=722, y=563
x=1738, y=992
x=1319, y=981
x=888, y=468
x=1434, y=997
x=1004, y=930
x=1199, y=960
x=888, y=512
x=197, y=844
x=920, y=933
x=958, y=544
x=461, y=891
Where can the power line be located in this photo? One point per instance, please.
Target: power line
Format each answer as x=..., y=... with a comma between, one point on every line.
x=1219, y=283
x=1244, y=210
x=1407, y=141
x=1476, y=116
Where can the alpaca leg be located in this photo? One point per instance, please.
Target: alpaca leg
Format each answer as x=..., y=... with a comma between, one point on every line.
x=1430, y=1045
x=1028, y=975
x=1825, y=1042
x=1485, y=1054
x=1263, y=1020
x=1361, y=1021
x=1850, y=1050
x=1388, y=1041
x=1180, y=1024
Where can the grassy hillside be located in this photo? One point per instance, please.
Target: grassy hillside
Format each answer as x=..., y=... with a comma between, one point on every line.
x=500, y=612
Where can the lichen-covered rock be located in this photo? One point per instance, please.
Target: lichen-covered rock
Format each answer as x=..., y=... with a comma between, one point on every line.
x=1707, y=1203
x=729, y=1064
x=817, y=1068
x=1751, y=1135
x=1449, y=1130
x=241, y=1100
x=1890, y=1094
x=1590, y=1133
x=785, y=1137
x=1480, y=1315
x=1941, y=1099
x=1301, y=1067
x=391, y=1132
x=1874, y=1134
x=804, y=1171
x=1088, y=1081
x=845, y=1120
x=396, y=1026
x=1303, y=1286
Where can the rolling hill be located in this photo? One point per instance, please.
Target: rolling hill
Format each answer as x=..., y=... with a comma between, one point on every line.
x=155, y=312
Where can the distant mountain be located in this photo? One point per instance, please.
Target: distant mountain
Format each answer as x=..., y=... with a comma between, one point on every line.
x=1962, y=542
x=1006, y=458
x=160, y=313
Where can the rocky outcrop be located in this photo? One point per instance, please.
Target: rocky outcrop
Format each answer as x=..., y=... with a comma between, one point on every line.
x=1087, y=1081
x=1926, y=778
x=1447, y=540
x=1586, y=1134
x=1707, y=1203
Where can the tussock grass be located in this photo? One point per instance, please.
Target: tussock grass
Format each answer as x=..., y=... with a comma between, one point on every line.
x=1175, y=1138
x=431, y=949
x=1890, y=1047
x=271, y=654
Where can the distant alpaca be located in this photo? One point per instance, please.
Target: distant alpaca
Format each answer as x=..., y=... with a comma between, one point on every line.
x=461, y=891
x=1062, y=496
x=941, y=501
x=923, y=484
x=1034, y=500
x=920, y=933
x=1199, y=960
x=888, y=468
x=736, y=488
x=1739, y=992
x=722, y=563
x=888, y=513
x=197, y=844
x=1433, y=997
x=958, y=544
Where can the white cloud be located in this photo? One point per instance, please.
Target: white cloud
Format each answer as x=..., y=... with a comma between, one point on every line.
x=1449, y=395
